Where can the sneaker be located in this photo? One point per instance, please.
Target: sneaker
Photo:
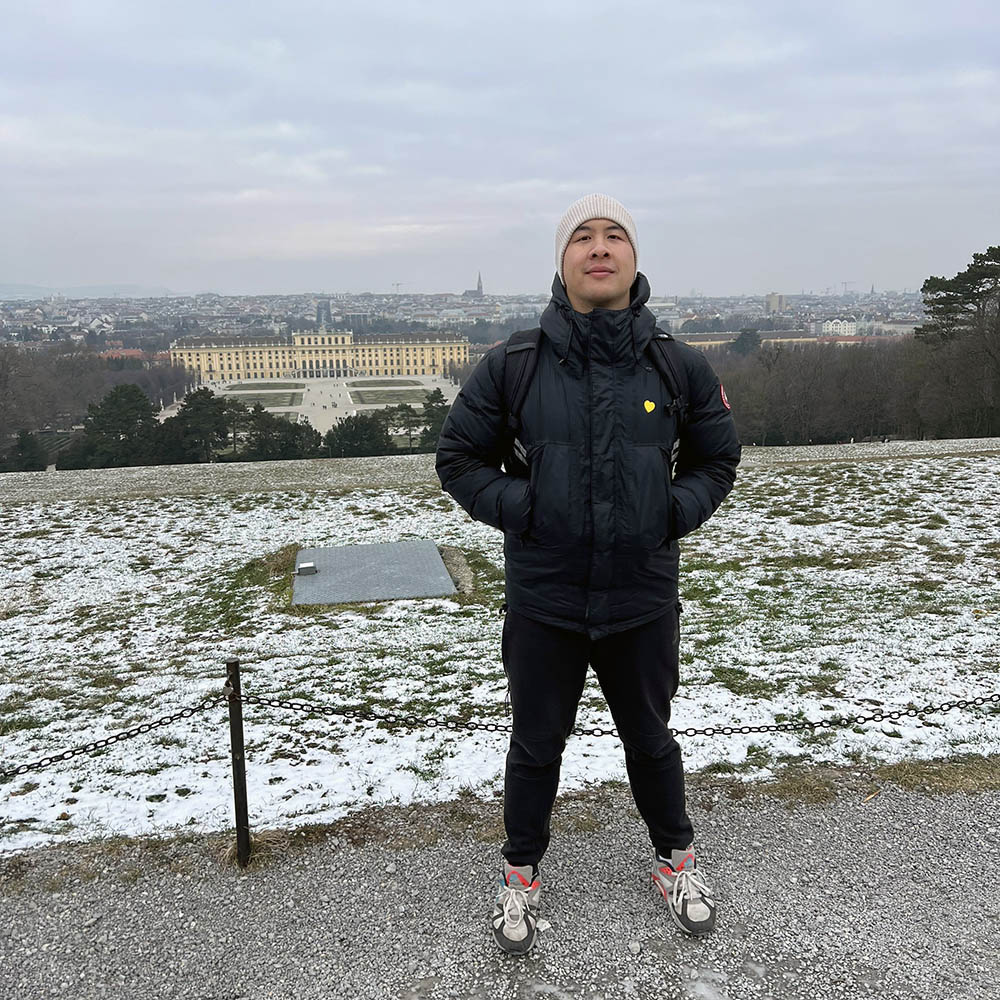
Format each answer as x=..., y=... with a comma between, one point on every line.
x=689, y=898
x=515, y=915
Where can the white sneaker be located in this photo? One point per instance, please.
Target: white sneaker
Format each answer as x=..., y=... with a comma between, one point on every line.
x=515, y=913
x=689, y=898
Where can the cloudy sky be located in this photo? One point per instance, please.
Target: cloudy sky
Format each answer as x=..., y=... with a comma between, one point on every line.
x=265, y=147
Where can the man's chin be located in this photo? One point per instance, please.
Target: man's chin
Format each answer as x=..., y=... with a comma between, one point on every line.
x=601, y=293
x=610, y=301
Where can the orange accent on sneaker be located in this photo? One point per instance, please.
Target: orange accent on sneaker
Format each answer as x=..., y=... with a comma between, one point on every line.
x=669, y=869
x=524, y=881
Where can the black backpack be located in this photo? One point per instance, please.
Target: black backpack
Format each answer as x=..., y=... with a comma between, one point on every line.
x=521, y=359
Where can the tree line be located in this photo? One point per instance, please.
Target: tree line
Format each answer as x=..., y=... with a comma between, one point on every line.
x=53, y=387
x=123, y=430
x=944, y=382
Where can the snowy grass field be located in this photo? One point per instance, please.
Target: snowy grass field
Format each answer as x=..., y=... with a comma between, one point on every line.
x=834, y=580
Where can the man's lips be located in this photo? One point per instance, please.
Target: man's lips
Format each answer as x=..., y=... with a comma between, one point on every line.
x=600, y=270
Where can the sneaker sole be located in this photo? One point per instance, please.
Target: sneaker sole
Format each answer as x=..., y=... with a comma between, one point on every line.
x=673, y=916
x=687, y=930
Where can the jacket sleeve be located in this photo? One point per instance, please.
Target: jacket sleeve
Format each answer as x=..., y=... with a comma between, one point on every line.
x=469, y=452
x=709, y=450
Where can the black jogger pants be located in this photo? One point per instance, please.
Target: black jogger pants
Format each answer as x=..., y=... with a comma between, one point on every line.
x=638, y=673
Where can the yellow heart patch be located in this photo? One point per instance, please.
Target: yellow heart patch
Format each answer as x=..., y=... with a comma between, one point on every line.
x=650, y=405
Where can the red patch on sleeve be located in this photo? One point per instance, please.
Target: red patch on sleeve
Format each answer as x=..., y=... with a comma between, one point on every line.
x=725, y=401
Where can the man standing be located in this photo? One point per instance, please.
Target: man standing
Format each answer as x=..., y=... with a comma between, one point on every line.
x=608, y=470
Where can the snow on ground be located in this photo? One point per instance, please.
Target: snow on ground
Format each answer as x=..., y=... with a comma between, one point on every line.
x=834, y=580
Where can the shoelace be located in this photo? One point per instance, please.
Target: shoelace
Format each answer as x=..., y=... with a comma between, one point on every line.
x=515, y=902
x=689, y=883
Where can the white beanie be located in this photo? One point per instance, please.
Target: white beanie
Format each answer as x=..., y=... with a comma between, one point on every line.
x=592, y=206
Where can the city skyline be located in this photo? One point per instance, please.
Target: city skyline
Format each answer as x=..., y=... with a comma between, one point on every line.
x=299, y=149
x=14, y=293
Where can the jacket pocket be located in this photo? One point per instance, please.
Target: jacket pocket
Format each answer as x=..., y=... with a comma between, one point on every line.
x=648, y=497
x=555, y=514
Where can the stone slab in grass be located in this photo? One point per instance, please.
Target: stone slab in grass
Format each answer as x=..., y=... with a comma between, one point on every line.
x=386, y=571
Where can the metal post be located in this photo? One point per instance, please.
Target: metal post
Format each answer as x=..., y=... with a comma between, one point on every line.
x=239, y=762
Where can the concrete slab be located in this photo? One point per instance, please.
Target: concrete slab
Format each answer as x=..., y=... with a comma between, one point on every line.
x=411, y=568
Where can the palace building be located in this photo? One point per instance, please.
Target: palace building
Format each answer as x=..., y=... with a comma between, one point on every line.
x=323, y=354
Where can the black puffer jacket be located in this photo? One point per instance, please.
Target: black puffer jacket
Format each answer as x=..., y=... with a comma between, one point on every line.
x=591, y=539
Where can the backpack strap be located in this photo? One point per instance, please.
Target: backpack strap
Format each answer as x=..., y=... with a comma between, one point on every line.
x=664, y=353
x=520, y=361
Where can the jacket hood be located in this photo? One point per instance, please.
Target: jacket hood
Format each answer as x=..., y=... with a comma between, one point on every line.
x=625, y=333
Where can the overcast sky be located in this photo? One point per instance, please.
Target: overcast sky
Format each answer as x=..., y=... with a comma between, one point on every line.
x=265, y=147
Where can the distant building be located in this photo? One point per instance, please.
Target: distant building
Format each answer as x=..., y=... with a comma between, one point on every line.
x=896, y=328
x=702, y=340
x=774, y=303
x=839, y=326
x=124, y=352
x=477, y=292
x=324, y=354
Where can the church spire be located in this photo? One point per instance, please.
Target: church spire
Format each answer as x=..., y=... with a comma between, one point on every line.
x=479, y=283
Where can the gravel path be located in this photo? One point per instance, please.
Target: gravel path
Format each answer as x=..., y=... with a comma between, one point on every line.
x=896, y=897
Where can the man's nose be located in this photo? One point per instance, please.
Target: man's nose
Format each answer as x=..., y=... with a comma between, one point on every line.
x=599, y=249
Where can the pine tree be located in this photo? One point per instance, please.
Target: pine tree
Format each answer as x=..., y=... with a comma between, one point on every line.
x=748, y=342
x=120, y=430
x=362, y=434
x=435, y=410
x=27, y=455
x=204, y=423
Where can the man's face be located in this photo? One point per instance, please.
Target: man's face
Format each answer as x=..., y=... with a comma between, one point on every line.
x=598, y=266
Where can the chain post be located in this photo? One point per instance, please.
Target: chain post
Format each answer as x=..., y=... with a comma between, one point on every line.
x=234, y=697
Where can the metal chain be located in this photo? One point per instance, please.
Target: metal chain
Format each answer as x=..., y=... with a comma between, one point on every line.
x=392, y=718
x=146, y=727
x=432, y=722
x=841, y=721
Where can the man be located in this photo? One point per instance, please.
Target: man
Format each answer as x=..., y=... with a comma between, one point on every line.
x=590, y=545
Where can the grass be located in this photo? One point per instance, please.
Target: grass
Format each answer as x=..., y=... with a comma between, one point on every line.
x=392, y=397
x=769, y=613
x=968, y=773
x=383, y=383
x=699, y=588
x=258, y=386
x=814, y=517
x=826, y=682
x=487, y=580
x=25, y=789
x=270, y=399
x=227, y=606
x=740, y=682
x=108, y=679
x=694, y=563
x=830, y=559
x=20, y=723
x=477, y=814
x=801, y=785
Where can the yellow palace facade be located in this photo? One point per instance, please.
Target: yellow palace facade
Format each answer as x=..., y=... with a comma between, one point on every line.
x=323, y=354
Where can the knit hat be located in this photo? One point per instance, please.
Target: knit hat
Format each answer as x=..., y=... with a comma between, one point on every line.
x=592, y=206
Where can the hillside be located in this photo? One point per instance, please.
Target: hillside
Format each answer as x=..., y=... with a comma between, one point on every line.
x=834, y=580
